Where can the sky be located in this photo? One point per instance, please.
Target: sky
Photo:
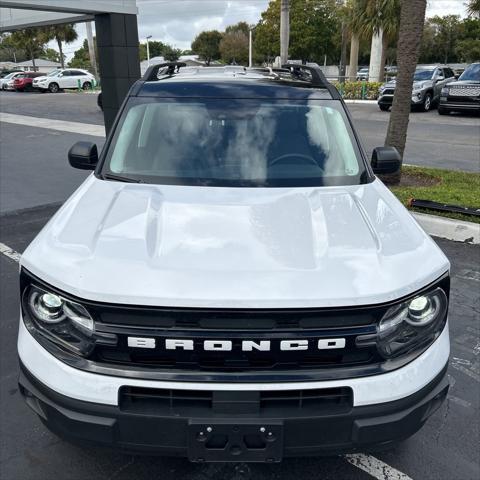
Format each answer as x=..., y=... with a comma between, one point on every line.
x=177, y=22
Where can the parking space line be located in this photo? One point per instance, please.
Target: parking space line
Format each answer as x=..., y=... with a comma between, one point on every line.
x=9, y=252
x=375, y=467
x=51, y=124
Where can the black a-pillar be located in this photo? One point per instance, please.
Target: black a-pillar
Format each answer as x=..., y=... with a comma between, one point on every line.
x=118, y=56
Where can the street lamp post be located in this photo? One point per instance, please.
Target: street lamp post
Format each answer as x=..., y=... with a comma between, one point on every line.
x=250, y=47
x=148, y=50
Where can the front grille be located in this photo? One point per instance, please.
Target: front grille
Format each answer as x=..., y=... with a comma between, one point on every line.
x=197, y=326
x=464, y=91
x=265, y=403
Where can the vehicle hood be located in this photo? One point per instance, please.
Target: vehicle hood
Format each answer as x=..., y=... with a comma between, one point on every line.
x=40, y=79
x=416, y=85
x=234, y=247
x=466, y=82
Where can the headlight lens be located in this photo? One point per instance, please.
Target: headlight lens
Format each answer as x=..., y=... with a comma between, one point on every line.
x=412, y=324
x=67, y=324
x=444, y=91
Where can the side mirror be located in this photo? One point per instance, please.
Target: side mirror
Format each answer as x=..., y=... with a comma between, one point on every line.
x=385, y=160
x=83, y=155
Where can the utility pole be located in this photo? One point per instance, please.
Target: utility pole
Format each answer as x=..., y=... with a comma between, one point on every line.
x=250, y=47
x=148, y=50
x=284, y=30
x=91, y=49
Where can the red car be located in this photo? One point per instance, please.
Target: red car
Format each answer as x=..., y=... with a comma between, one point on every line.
x=24, y=82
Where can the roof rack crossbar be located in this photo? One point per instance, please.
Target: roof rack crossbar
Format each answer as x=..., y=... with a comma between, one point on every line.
x=152, y=72
x=318, y=77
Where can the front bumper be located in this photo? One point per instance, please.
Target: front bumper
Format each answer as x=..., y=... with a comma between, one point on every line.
x=387, y=100
x=163, y=431
x=457, y=104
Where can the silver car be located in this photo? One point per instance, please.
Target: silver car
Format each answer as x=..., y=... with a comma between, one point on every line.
x=428, y=82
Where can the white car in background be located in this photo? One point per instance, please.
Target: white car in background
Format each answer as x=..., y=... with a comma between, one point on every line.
x=6, y=83
x=63, y=79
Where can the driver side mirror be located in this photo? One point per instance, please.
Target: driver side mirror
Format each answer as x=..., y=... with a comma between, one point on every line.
x=385, y=160
x=83, y=155
x=439, y=78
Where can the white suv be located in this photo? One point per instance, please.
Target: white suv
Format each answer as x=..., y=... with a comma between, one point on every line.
x=64, y=79
x=233, y=282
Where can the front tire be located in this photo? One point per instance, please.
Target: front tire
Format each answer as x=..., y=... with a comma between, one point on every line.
x=427, y=102
x=53, y=87
x=87, y=86
x=384, y=108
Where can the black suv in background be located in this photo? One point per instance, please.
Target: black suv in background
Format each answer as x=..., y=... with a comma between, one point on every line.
x=463, y=95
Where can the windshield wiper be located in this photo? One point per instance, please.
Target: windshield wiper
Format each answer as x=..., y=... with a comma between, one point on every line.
x=119, y=178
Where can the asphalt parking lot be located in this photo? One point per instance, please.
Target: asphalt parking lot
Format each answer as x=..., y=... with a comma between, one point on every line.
x=35, y=179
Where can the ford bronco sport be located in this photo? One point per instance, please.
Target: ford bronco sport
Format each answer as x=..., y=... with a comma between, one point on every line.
x=233, y=282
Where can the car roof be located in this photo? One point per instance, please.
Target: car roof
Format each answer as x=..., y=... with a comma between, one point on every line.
x=295, y=82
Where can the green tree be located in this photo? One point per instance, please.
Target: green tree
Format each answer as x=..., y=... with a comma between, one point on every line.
x=468, y=50
x=52, y=55
x=32, y=40
x=207, y=45
x=267, y=33
x=9, y=51
x=448, y=31
x=234, y=47
x=313, y=29
x=473, y=8
x=81, y=57
x=238, y=27
x=380, y=17
x=62, y=34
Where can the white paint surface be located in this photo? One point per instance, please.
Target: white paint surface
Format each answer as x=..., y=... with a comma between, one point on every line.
x=60, y=125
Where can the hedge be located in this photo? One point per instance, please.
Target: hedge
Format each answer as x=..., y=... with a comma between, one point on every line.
x=358, y=90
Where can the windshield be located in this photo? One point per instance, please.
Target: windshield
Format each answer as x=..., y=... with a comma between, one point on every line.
x=229, y=142
x=422, y=75
x=53, y=73
x=471, y=73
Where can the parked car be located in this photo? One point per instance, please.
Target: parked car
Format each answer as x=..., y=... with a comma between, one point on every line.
x=23, y=81
x=4, y=73
x=363, y=73
x=428, y=81
x=463, y=95
x=72, y=78
x=233, y=282
x=9, y=79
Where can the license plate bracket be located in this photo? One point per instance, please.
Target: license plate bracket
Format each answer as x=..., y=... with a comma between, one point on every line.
x=241, y=441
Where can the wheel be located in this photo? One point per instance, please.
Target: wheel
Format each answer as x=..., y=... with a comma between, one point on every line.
x=384, y=108
x=427, y=102
x=87, y=86
x=53, y=87
x=443, y=111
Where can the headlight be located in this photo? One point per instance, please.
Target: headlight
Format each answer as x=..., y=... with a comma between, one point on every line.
x=412, y=324
x=444, y=91
x=53, y=319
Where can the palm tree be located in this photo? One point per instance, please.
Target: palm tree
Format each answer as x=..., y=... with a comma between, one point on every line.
x=473, y=8
x=32, y=40
x=380, y=19
x=412, y=19
x=63, y=33
x=355, y=26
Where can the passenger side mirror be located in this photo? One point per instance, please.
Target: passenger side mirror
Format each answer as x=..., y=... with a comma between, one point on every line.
x=83, y=155
x=385, y=160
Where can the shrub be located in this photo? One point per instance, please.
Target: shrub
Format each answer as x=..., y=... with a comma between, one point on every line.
x=358, y=90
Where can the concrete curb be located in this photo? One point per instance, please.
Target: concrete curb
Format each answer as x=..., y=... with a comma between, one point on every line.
x=456, y=230
x=367, y=102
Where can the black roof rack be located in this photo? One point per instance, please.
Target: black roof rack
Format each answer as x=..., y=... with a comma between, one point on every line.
x=170, y=68
x=318, y=78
